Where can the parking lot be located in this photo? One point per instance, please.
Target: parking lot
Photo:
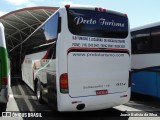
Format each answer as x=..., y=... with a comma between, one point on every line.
x=23, y=102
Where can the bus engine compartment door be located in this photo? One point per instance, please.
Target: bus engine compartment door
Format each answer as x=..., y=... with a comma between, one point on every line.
x=97, y=73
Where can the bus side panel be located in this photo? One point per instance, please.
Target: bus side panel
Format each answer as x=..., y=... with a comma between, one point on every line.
x=144, y=83
x=28, y=70
x=27, y=73
x=4, y=64
x=3, y=67
x=158, y=84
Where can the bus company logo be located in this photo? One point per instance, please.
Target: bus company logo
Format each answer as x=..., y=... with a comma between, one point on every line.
x=6, y=114
x=120, y=84
x=18, y=114
x=101, y=21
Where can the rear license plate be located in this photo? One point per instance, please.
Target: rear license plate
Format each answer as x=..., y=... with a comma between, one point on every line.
x=101, y=92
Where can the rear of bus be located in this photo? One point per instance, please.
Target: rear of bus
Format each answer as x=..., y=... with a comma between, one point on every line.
x=93, y=53
x=3, y=68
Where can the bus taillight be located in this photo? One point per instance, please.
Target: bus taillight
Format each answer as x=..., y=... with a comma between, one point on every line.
x=96, y=9
x=104, y=10
x=4, y=81
x=64, y=83
x=67, y=6
x=100, y=9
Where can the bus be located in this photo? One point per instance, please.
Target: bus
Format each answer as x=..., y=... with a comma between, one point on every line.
x=146, y=59
x=79, y=59
x=4, y=69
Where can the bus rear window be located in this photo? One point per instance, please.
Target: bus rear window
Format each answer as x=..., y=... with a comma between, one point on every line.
x=97, y=24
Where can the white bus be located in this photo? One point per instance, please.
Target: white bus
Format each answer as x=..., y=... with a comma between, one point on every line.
x=79, y=59
x=146, y=59
x=4, y=69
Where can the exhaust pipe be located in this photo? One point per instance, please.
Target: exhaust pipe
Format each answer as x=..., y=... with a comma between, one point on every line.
x=80, y=106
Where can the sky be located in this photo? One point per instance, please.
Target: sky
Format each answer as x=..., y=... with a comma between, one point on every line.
x=140, y=12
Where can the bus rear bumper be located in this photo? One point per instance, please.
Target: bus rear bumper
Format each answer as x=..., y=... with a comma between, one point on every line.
x=91, y=103
x=4, y=95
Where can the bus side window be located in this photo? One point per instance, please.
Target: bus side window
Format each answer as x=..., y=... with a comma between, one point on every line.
x=141, y=42
x=51, y=29
x=155, y=37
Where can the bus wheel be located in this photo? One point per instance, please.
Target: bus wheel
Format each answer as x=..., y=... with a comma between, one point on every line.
x=39, y=92
x=3, y=107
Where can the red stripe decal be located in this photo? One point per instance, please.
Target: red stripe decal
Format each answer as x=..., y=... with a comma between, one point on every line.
x=109, y=49
x=46, y=55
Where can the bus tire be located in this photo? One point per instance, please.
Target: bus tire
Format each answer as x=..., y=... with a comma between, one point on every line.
x=3, y=107
x=39, y=92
